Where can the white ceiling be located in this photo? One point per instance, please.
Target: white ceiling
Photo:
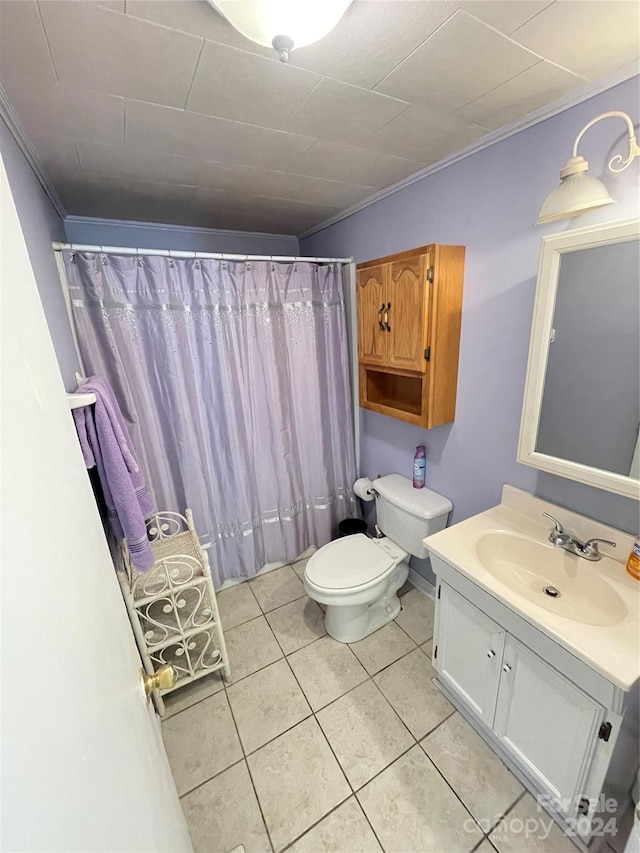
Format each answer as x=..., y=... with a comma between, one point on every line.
x=158, y=110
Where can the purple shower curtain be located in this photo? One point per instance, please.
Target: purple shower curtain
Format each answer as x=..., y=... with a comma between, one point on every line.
x=234, y=380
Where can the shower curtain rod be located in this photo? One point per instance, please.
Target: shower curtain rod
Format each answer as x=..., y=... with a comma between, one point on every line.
x=171, y=253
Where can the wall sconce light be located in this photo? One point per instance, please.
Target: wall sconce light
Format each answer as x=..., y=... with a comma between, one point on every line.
x=282, y=24
x=578, y=192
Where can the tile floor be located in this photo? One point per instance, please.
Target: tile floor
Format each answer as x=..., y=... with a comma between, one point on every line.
x=318, y=746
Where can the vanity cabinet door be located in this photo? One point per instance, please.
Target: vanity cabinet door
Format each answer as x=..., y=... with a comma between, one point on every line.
x=547, y=723
x=469, y=652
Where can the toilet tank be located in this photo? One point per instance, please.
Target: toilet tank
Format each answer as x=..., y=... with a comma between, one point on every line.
x=406, y=515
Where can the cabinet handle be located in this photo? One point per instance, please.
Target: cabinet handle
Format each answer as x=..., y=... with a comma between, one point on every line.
x=506, y=667
x=380, y=322
x=386, y=316
x=491, y=653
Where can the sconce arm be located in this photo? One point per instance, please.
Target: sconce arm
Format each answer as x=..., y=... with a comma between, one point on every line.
x=617, y=163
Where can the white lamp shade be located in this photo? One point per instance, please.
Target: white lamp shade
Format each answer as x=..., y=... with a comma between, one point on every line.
x=262, y=20
x=576, y=194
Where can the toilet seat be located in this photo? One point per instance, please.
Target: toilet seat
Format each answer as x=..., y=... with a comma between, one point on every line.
x=353, y=561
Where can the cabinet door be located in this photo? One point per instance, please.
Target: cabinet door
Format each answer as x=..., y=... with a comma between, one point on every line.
x=372, y=338
x=408, y=316
x=469, y=652
x=547, y=723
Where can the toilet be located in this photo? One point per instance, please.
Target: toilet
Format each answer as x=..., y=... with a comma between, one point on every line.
x=357, y=578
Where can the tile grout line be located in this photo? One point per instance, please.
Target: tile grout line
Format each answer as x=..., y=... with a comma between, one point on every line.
x=211, y=778
x=386, y=767
x=193, y=704
x=353, y=793
x=394, y=711
x=313, y=825
x=244, y=677
x=388, y=665
x=505, y=813
x=253, y=785
x=253, y=581
x=452, y=789
x=285, y=655
x=246, y=755
x=456, y=794
x=273, y=609
x=225, y=687
x=264, y=613
x=415, y=743
x=313, y=714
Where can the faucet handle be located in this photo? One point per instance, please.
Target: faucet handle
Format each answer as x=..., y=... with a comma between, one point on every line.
x=559, y=527
x=591, y=545
x=557, y=536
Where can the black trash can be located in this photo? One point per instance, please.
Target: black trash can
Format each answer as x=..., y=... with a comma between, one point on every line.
x=349, y=526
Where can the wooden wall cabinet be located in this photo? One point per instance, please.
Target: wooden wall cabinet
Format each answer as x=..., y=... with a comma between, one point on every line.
x=409, y=312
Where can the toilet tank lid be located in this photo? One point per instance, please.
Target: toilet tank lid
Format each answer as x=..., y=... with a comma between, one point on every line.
x=422, y=503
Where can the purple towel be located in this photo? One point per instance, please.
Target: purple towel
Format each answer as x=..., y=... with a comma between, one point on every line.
x=104, y=392
x=105, y=442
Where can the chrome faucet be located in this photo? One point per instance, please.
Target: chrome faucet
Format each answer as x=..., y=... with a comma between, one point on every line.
x=588, y=550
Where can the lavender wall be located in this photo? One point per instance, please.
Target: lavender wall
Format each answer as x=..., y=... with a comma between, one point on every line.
x=41, y=226
x=149, y=235
x=489, y=202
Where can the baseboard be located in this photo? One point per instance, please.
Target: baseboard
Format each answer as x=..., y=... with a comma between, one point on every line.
x=422, y=584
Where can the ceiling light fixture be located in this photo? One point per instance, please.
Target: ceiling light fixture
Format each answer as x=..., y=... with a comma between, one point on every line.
x=282, y=24
x=578, y=192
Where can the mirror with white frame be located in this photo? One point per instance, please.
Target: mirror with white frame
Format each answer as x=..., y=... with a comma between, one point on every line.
x=581, y=412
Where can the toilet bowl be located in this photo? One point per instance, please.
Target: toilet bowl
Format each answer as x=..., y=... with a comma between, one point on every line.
x=357, y=578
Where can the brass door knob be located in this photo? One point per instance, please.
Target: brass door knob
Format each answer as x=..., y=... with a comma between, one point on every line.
x=164, y=678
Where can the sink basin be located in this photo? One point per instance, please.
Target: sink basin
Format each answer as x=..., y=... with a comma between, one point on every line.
x=573, y=588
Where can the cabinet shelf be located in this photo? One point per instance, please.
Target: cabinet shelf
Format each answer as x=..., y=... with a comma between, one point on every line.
x=394, y=392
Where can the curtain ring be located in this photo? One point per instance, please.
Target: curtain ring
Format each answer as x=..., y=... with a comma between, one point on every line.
x=171, y=263
x=196, y=264
x=104, y=261
x=72, y=257
x=140, y=261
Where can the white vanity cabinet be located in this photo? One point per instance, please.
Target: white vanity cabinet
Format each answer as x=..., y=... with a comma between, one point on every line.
x=540, y=717
x=555, y=721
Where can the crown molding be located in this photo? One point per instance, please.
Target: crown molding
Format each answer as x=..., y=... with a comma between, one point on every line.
x=8, y=114
x=185, y=229
x=544, y=113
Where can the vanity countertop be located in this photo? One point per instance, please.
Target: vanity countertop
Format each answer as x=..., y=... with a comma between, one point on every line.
x=613, y=649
